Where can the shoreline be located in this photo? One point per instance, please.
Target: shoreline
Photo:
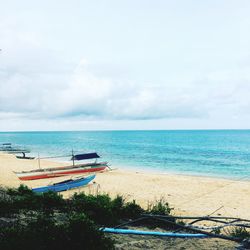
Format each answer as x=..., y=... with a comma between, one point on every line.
x=160, y=172
x=157, y=172
x=189, y=195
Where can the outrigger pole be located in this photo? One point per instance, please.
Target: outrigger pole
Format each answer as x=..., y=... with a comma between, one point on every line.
x=73, y=158
x=39, y=164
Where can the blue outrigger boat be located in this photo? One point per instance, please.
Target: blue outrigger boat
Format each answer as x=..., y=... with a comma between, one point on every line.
x=65, y=185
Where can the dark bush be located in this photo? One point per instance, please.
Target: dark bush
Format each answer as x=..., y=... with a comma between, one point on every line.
x=131, y=210
x=47, y=221
x=77, y=232
x=23, y=198
x=98, y=208
x=103, y=210
x=240, y=232
x=51, y=200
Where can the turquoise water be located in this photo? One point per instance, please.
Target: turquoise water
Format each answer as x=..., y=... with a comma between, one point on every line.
x=219, y=153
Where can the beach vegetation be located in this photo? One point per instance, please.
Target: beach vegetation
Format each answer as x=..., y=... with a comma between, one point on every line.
x=23, y=198
x=48, y=221
x=216, y=231
x=102, y=209
x=181, y=222
x=44, y=232
x=240, y=232
x=160, y=207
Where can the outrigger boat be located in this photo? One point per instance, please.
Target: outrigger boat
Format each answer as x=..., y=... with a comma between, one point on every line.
x=25, y=157
x=65, y=185
x=65, y=170
x=9, y=149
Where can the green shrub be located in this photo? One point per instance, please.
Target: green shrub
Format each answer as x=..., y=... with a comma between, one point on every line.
x=42, y=232
x=161, y=207
x=240, y=232
x=216, y=231
x=117, y=205
x=131, y=210
x=98, y=208
x=51, y=200
x=103, y=210
x=6, y=206
x=24, y=198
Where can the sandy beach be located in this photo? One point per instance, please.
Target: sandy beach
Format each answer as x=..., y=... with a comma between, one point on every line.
x=189, y=195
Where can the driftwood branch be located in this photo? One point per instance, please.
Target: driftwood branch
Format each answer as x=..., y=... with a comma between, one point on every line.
x=131, y=222
x=222, y=226
x=196, y=217
x=194, y=229
x=233, y=222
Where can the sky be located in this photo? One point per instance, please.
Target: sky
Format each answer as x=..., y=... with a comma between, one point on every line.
x=134, y=64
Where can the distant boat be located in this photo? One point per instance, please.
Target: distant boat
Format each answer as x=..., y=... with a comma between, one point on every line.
x=9, y=149
x=25, y=157
x=65, y=185
x=65, y=170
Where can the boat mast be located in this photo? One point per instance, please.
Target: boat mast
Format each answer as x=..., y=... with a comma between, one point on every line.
x=73, y=158
x=39, y=161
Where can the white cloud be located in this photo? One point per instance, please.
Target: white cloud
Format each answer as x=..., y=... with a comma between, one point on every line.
x=91, y=97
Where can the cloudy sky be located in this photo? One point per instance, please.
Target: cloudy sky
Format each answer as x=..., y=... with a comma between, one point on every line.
x=139, y=64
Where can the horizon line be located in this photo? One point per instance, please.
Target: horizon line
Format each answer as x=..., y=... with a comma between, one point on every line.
x=110, y=130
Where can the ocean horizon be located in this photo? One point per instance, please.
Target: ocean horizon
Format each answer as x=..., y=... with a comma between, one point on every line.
x=213, y=153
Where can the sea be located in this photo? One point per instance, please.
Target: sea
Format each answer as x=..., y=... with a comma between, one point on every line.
x=213, y=153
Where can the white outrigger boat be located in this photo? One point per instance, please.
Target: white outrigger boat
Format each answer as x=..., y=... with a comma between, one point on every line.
x=65, y=170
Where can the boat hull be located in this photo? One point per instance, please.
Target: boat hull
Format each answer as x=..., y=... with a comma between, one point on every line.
x=65, y=185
